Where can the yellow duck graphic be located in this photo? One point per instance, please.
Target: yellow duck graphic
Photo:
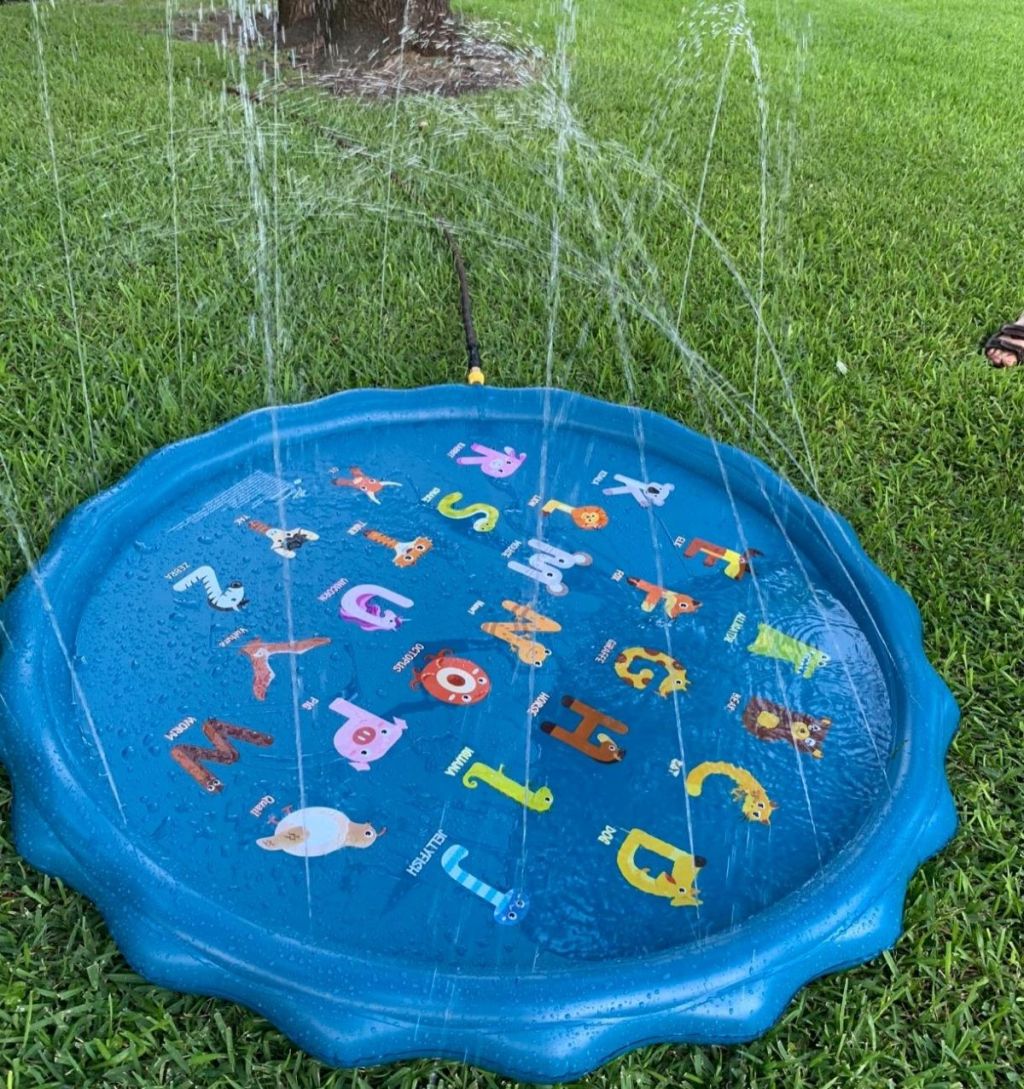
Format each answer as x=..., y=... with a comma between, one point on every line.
x=678, y=885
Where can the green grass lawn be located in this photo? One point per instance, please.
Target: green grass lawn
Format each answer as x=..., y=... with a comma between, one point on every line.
x=893, y=181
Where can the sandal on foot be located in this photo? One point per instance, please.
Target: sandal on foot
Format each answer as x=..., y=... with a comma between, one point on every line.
x=1000, y=342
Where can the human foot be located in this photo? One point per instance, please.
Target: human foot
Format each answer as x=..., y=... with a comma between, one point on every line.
x=1006, y=348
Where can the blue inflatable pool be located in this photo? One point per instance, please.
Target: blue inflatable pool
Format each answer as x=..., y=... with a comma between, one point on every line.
x=503, y=725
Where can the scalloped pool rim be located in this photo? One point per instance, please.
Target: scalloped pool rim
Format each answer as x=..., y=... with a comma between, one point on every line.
x=858, y=905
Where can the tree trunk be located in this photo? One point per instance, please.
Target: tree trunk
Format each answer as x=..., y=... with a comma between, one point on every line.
x=366, y=26
x=356, y=42
x=290, y=11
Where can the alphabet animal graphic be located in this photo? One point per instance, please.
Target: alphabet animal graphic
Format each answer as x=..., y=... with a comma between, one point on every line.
x=370, y=486
x=486, y=515
x=259, y=652
x=364, y=736
x=675, y=679
x=645, y=492
x=678, y=885
x=526, y=622
x=283, y=542
x=495, y=463
x=674, y=602
x=192, y=757
x=756, y=805
x=539, y=800
x=359, y=607
x=406, y=552
x=772, y=722
x=606, y=751
x=584, y=517
x=457, y=682
x=510, y=907
x=772, y=643
x=316, y=831
x=547, y=563
x=229, y=600
x=737, y=564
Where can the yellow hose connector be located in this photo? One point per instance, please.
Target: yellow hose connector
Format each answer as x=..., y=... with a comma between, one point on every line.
x=475, y=376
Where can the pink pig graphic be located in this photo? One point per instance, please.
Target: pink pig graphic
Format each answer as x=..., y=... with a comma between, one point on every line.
x=494, y=462
x=364, y=736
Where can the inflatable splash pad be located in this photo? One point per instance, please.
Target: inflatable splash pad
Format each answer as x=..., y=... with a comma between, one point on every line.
x=499, y=725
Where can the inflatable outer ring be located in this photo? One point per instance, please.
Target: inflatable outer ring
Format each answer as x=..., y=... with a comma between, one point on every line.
x=730, y=990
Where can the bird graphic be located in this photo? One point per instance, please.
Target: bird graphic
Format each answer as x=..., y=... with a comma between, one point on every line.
x=258, y=651
x=229, y=600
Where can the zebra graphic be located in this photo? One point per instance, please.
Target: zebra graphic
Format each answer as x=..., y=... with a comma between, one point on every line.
x=228, y=600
